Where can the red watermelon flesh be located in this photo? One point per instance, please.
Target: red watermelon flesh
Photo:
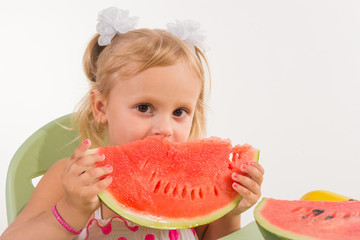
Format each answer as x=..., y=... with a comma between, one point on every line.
x=166, y=185
x=301, y=219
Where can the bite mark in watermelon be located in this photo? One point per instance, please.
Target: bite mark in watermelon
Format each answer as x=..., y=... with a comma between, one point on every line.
x=167, y=185
x=302, y=219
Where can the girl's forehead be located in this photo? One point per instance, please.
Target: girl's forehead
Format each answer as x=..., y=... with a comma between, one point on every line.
x=176, y=78
x=177, y=71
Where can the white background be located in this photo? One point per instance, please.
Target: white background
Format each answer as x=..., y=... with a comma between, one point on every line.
x=285, y=79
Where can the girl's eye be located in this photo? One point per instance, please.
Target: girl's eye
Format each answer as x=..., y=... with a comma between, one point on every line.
x=144, y=108
x=180, y=112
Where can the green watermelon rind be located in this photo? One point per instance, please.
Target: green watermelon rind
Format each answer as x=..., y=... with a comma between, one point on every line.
x=163, y=223
x=272, y=232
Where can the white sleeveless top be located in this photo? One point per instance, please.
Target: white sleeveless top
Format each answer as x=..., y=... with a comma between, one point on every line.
x=118, y=228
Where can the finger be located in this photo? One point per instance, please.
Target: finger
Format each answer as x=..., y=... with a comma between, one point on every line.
x=258, y=166
x=246, y=182
x=99, y=186
x=94, y=174
x=90, y=160
x=245, y=193
x=254, y=164
x=253, y=171
x=81, y=149
x=85, y=163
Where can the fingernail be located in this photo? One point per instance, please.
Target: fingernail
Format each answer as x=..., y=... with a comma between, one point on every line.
x=86, y=142
x=235, y=175
x=109, y=167
x=243, y=167
x=252, y=163
x=102, y=156
x=109, y=178
x=235, y=185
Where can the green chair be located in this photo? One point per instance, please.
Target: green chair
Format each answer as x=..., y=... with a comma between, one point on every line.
x=249, y=232
x=43, y=148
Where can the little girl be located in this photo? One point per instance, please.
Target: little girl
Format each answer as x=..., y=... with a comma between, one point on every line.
x=143, y=83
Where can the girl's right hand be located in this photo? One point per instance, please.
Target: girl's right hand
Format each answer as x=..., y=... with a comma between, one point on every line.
x=80, y=179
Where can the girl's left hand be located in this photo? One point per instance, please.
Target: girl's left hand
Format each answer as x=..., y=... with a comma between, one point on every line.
x=249, y=187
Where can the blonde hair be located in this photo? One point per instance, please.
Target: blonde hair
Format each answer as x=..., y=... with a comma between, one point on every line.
x=146, y=48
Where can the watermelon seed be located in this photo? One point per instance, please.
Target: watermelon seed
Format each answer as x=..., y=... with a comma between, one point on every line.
x=175, y=191
x=305, y=212
x=216, y=191
x=152, y=176
x=167, y=187
x=317, y=211
x=297, y=209
x=145, y=163
x=157, y=187
x=201, y=193
x=192, y=194
x=183, y=192
x=329, y=217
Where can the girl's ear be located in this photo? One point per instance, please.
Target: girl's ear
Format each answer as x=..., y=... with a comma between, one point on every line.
x=98, y=106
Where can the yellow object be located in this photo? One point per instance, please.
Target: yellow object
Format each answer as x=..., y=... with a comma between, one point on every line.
x=323, y=195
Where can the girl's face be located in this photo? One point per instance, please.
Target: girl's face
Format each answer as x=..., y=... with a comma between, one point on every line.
x=157, y=101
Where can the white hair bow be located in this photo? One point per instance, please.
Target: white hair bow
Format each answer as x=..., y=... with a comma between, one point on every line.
x=113, y=20
x=190, y=32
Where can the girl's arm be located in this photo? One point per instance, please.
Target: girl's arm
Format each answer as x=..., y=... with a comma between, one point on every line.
x=36, y=220
x=249, y=187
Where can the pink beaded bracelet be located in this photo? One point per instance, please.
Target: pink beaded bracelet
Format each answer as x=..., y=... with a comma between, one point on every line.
x=62, y=222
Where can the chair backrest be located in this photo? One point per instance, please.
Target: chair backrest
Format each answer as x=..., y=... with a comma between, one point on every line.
x=43, y=148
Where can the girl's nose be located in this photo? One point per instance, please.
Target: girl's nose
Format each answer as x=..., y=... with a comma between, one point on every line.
x=162, y=127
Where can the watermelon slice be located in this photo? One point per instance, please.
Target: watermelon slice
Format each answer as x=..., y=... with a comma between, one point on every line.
x=301, y=219
x=167, y=185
